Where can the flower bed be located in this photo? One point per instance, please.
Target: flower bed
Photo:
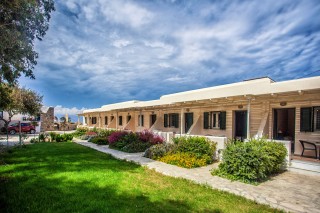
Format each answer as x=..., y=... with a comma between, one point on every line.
x=187, y=152
x=133, y=142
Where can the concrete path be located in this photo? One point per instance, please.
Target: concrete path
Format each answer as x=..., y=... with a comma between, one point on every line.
x=289, y=191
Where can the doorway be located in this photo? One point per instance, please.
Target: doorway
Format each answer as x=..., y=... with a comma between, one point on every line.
x=153, y=119
x=240, y=132
x=284, y=125
x=188, y=121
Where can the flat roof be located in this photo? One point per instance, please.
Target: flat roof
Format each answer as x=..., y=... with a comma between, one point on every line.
x=255, y=87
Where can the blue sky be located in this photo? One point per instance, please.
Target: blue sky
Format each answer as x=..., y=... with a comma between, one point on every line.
x=99, y=52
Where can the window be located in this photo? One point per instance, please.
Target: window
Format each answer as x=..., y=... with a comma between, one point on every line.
x=128, y=118
x=153, y=119
x=214, y=120
x=120, y=120
x=316, y=118
x=94, y=120
x=106, y=120
x=310, y=119
x=24, y=118
x=171, y=120
x=112, y=117
x=140, y=120
x=85, y=120
x=1, y=114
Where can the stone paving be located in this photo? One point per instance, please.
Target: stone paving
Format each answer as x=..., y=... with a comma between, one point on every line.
x=289, y=191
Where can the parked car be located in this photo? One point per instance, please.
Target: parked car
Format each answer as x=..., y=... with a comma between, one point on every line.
x=25, y=127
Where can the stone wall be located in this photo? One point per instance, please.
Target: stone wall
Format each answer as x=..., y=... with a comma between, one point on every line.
x=47, y=120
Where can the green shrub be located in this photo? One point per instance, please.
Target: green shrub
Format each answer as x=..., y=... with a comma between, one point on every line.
x=80, y=131
x=99, y=140
x=136, y=146
x=105, y=132
x=53, y=136
x=34, y=140
x=198, y=146
x=186, y=160
x=43, y=137
x=159, y=150
x=64, y=137
x=188, y=152
x=251, y=162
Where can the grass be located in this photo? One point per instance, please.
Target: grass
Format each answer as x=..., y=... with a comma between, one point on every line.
x=67, y=177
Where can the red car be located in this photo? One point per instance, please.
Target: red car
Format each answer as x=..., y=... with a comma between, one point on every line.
x=25, y=127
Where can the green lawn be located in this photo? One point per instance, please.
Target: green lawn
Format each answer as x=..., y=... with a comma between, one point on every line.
x=66, y=177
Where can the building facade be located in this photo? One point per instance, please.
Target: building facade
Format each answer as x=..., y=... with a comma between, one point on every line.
x=287, y=110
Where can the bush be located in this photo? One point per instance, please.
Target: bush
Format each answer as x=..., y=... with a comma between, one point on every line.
x=136, y=146
x=43, y=137
x=251, y=162
x=105, y=133
x=53, y=136
x=186, y=160
x=34, y=140
x=80, y=132
x=64, y=137
x=188, y=152
x=199, y=146
x=133, y=142
x=158, y=150
x=149, y=137
x=99, y=140
x=115, y=139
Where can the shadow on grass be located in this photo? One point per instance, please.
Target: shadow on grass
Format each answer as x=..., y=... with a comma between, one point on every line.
x=68, y=177
x=60, y=196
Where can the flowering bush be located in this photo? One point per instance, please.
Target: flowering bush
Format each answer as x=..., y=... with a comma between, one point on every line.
x=149, y=137
x=91, y=133
x=186, y=160
x=188, y=152
x=116, y=136
x=159, y=150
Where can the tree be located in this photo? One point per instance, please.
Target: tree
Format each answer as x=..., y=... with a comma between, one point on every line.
x=21, y=101
x=62, y=119
x=21, y=22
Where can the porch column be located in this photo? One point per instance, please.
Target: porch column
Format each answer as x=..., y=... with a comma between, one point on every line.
x=248, y=118
x=181, y=121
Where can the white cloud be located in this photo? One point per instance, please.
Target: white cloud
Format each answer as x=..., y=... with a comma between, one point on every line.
x=120, y=50
x=125, y=12
x=60, y=110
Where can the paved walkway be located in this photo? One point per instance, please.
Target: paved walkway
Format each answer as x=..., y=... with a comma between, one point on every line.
x=289, y=191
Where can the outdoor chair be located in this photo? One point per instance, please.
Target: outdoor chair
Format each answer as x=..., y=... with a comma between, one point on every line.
x=308, y=146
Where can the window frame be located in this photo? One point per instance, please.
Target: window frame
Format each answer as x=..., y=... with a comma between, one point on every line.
x=93, y=120
x=120, y=120
x=141, y=121
x=105, y=120
x=214, y=120
x=316, y=120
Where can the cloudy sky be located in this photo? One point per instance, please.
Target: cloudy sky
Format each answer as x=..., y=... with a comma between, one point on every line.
x=99, y=52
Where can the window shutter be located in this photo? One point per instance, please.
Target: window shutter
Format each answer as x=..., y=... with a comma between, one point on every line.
x=142, y=120
x=176, y=120
x=306, y=119
x=165, y=123
x=223, y=118
x=206, y=120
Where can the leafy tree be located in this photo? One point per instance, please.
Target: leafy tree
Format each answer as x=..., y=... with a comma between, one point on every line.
x=21, y=101
x=62, y=119
x=21, y=22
